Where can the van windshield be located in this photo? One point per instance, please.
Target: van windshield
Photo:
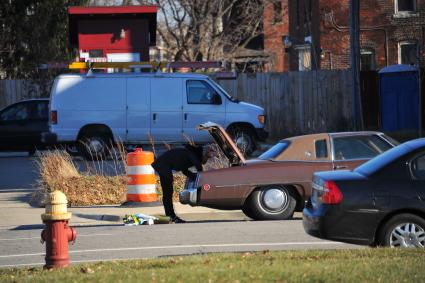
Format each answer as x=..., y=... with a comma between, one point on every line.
x=222, y=90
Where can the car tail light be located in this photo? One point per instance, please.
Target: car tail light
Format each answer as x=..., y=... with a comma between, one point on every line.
x=54, y=117
x=331, y=193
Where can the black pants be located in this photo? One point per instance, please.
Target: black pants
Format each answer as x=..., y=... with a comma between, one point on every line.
x=166, y=179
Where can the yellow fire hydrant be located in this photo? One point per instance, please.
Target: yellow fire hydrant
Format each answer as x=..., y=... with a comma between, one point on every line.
x=57, y=233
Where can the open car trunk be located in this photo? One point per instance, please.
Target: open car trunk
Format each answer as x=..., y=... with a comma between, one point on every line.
x=225, y=142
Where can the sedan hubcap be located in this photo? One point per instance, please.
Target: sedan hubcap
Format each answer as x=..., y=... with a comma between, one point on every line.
x=274, y=199
x=408, y=235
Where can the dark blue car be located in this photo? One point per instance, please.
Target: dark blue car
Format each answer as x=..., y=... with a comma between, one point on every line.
x=22, y=123
x=381, y=202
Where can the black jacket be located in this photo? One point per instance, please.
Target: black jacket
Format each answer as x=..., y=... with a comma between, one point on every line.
x=180, y=159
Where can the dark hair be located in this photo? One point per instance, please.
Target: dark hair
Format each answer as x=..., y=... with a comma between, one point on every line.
x=197, y=150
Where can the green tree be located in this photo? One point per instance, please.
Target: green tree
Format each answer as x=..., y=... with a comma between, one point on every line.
x=33, y=32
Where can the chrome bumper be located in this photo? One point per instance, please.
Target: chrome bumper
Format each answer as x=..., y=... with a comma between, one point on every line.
x=190, y=193
x=189, y=196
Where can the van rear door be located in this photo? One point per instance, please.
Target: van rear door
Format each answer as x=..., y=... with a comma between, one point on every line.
x=201, y=103
x=138, y=109
x=166, y=109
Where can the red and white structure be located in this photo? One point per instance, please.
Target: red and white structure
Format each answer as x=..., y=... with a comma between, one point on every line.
x=113, y=33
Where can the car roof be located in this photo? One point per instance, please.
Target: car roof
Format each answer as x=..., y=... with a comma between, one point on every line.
x=33, y=99
x=333, y=134
x=135, y=75
x=414, y=144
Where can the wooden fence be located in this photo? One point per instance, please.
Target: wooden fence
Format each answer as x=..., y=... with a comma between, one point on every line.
x=298, y=102
x=15, y=90
x=295, y=102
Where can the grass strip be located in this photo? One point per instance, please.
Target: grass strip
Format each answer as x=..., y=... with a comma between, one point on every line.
x=364, y=265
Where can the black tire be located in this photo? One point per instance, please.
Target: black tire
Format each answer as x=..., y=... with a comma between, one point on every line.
x=247, y=211
x=280, y=205
x=403, y=231
x=93, y=145
x=244, y=138
x=32, y=151
x=72, y=149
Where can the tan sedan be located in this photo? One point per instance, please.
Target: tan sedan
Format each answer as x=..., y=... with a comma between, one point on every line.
x=278, y=182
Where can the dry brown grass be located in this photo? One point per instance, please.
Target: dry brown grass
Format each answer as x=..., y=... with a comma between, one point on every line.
x=58, y=172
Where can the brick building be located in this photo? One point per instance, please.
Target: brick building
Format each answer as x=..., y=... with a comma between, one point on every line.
x=313, y=34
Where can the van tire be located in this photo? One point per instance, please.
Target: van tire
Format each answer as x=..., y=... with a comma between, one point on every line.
x=93, y=145
x=244, y=139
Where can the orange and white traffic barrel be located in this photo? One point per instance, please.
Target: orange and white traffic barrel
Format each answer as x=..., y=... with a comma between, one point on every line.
x=141, y=181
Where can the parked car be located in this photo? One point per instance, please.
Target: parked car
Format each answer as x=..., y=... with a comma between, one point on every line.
x=278, y=182
x=22, y=123
x=381, y=202
x=133, y=108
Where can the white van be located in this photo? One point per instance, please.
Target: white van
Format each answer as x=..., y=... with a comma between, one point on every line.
x=99, y=109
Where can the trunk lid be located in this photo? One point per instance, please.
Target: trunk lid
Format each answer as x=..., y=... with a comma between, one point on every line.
x=225, y=142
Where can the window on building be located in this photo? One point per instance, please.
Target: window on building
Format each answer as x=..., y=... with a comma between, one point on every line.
x=304, y=58
x=407, y=53
x=403, y=6
x=367, y=60
x=298, y=13
x=277, y=11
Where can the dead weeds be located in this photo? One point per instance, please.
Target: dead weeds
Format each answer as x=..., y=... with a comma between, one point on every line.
x=58, y=172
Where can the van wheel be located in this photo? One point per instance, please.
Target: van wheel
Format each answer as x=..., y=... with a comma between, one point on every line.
x=93, y=146
x=244, y=139
x=71, y=149
x=272, y=203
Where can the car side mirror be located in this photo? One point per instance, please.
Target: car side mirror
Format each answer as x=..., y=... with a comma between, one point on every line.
x=216, y=99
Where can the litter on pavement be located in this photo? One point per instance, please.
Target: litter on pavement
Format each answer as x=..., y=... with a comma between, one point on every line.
x=139, y=219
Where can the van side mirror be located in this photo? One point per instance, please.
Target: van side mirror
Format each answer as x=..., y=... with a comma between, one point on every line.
x=216, y=99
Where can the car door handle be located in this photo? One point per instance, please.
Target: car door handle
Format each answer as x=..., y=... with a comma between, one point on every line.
x=154, y=116
x=338, y=167
x=185, y=116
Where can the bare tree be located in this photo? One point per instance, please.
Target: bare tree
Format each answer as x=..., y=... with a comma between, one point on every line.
x=193, y=30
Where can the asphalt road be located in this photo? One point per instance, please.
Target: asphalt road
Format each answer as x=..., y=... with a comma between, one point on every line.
x=18, y=171
x=22, y=247
x=230, y=233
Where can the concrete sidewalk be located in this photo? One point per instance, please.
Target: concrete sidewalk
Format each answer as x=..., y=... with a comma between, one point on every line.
x=15, y=211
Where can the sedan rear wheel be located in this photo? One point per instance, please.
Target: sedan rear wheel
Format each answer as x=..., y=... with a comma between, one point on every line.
x=403, y=231
x=272, y=203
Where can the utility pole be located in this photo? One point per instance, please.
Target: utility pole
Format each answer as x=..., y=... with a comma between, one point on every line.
x=355, y=63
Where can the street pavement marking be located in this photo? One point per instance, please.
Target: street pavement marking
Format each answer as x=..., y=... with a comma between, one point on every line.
x=32, y=238
x=185, y=247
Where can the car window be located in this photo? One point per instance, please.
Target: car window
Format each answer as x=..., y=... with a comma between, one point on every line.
x=418, y=167
x=199, y=92
x=40, y=110
x=275, y=150
x=16, y=112
x=375, y=164
x=321, y=148
x=354, y=147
